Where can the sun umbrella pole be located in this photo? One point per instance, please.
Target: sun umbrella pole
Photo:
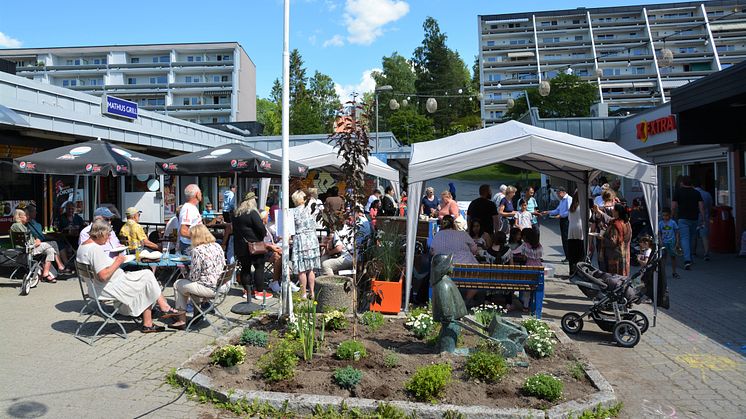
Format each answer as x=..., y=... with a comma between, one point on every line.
x=286, y=308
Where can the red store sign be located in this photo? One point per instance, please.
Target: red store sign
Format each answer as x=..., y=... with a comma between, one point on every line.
x=646, y=129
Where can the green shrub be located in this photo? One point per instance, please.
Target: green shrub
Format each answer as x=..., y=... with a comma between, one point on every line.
x=280, y=362
x=421, y=325
x=452, y=414
x=348, y=349
x=539, y=346
x=428, y=383
x=486, y=313
x=600, y=412
x=391, y=360
x=543, y=386
x=537, y=327
x=372, y=320
x=336, y=320
x=486, y=345
x=387, y=411
x=485, y=366
x=254, y=337
x=347, y=377
x=229, y=355
x=576, y=370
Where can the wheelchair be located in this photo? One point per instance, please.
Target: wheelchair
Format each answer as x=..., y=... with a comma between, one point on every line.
x=21, y=261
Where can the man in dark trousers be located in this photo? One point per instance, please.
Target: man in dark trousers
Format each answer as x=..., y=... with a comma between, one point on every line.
x=688, y=207
x=483, y=209
x=561, y=212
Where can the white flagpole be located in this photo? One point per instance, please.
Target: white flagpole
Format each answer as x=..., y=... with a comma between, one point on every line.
x=286, y=308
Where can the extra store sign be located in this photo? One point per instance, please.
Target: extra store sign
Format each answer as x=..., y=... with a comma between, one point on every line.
x=647, y=129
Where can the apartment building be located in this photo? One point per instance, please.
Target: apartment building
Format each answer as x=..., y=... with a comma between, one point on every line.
x=199, y=82
x=618, y=48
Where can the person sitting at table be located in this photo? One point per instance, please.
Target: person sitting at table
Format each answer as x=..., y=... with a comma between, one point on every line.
x=208, y=215
x=136, y=290
x=69, y=220
x=102, y=213
x=449, y=241
x=274, y=253
x=133, y=231
x=49, y=249
x=116, y=219
x=38, y=232
x=208, y=263
x=171, y=230
x=189, y=215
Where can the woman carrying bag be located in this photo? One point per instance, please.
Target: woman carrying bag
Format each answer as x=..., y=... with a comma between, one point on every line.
x=249, y=247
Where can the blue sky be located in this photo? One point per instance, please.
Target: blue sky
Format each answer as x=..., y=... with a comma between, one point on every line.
x=342, y=38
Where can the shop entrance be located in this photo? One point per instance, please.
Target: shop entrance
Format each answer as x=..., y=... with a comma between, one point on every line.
x=703, y=174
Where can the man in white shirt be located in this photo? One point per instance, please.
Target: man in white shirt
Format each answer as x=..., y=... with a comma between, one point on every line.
x=371, y=199
x=337, y=256
x=189, y=216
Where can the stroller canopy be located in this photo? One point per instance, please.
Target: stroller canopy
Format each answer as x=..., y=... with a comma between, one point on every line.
x=550, y=152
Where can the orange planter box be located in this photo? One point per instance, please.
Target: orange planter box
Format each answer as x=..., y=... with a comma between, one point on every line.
x=390, y=293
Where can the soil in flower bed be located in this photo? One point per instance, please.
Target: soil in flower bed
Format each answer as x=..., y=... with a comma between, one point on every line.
x=383, y=383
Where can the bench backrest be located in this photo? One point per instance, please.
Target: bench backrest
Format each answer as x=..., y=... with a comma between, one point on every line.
x=490, y=276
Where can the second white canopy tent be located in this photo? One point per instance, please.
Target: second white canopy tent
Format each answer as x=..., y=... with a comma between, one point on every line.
x=317, y=155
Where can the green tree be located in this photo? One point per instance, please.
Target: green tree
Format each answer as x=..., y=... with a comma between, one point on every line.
x=569, y=96
x=313, y=102
x=397, y=73
x=409, y=126
x=440, y=71
x=268, y=114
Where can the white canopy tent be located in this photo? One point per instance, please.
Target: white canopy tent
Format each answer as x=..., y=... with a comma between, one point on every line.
x=545, y=151
x=317, y=154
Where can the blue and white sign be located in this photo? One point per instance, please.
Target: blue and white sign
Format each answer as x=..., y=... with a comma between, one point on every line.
x=118, y=107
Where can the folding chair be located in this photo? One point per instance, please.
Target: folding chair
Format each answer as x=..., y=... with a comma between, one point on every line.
x=221, y=291
x=25, y=261
x=106, y=311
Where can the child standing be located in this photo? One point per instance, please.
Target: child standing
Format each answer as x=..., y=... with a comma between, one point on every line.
x=646, y=243
x=524, y=218
x=531, y=250
x=668, y=230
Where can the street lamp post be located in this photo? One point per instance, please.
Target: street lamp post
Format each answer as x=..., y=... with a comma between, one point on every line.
x=384, y=88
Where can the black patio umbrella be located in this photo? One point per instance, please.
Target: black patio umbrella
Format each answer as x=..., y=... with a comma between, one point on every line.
x=233, y=158
x=92, y=158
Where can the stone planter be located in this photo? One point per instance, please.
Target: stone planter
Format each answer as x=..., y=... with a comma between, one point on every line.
x=331, y=293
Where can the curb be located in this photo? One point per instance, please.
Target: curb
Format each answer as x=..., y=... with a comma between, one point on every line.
x=304, y=404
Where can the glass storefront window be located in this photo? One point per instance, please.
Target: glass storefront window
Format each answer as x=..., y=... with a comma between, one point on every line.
x=665, y=183
x=722, y=189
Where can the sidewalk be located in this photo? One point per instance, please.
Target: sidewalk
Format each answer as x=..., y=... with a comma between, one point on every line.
x=691, y=365
x=48, y=373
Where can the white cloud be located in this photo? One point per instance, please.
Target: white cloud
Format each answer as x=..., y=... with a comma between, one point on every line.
x=365, y=19
x=334, y=41
x=312, y=40
x=367, y=84
x=8, y=42
x=330, y=5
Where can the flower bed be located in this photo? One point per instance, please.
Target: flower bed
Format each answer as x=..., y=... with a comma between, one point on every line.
x=388, y=360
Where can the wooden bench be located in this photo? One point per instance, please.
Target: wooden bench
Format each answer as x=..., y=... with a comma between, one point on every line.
x=503, y=277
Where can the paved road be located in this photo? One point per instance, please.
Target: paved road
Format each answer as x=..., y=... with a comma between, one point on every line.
x=48, y=373
x=690, y=366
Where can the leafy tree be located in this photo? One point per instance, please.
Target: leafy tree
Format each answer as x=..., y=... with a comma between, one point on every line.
x=268, y=114
x=313, y=102
x=409, y=126
x=440, y=69
x=397, y=73
x=569, y=96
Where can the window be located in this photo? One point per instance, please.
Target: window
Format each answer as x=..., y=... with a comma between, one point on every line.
x=73, y=82
x=77, y=62
x=632, y=34
x=131, y=80
x=164, y=59
x=493, y=26
x=224, y=78
x=554, y=23
x=186, y=101
x=551, y=40
x=582, y=72
x=517, y=42
x=226, y=58
x=190, y=58
x=198, y=59
x=612, y=72
x=135, y=60
x=65, y=83
x=606, y=36
x=639, y=51
x=82, y=82
x=639, y=70
x=490, y=43
x=158, y=80
x=576, y=22
x=155, y=59
x=493, y=77
x=687, y=50
x=216, y=79
x=726, y=48
x=491, y=59
x=196, y=101
x=525, y=76
x=188, y=79
x=578, y=37
x=551, y=74
x=196, y=79
x=547, y=23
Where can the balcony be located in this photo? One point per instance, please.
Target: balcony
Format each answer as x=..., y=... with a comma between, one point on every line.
x=76, y=67
x=216, y=107
x=89, y=88
x=147, y=87
x=202, y=64
x=164, y=66
x=221, y=84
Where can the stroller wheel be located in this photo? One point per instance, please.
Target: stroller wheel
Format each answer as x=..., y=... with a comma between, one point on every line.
x=626, y=334
x=572, y=323
x=639, y=318
x=26, y=284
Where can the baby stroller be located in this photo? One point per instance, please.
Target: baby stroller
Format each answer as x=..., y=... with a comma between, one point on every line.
x=20, y=259
x=613, y=296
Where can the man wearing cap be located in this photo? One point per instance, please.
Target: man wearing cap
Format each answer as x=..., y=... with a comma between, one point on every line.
x=188, y=217
x=133, y=231
x=229, y=203
x=561, y=212
x=101, y=213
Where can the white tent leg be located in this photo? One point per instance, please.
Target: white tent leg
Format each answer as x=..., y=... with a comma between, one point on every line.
x=415, y=189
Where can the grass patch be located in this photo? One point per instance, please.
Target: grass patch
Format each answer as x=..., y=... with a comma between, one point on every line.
x=576, y=370
x=600, y=412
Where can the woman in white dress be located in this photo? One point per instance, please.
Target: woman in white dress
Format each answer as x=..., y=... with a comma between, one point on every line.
x=137, y=291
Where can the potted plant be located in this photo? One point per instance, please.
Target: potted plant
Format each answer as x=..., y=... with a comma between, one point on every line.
x=385, y=270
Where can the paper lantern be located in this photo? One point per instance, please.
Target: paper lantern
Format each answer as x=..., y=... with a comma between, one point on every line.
x=599, y=73
x=404, y=102
x=393, y=104
x=510, y=102
x=431, y=105
x=666, y=59
x=544, y=88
